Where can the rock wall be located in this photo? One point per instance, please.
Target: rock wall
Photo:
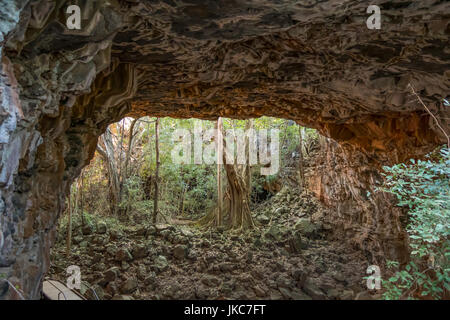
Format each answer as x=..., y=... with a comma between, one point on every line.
x=346, y=181
x=314, y=62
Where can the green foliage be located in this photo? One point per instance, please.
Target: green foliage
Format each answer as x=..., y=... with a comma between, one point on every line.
x=423, y=187
x=133, y=199
x=189, y=189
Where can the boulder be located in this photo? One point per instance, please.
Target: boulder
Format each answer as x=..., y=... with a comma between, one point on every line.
x=102, y=228
x=111, y=274
x=210, y=281
x=274, y=233
x=312, y=290
x=347, y=295
x=141, y=231
x=299, y=295
x=297, y=243
x=141, y=272
x=161, y=263
x=87, y=229
x=286, y=293
x=123, y=255
x=140, y=251
x=129, y=286
x=263, y=219
x=260, y=292
x=185, y=232
x=364, y=295
x=333, y=293
x=180, y=252
x=307, y=228
x=77, y=239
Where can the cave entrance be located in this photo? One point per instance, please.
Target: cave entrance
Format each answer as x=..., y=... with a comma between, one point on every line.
x=122, y=254
x=62, y=87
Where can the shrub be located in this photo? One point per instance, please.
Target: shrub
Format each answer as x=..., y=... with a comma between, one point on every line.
x=423, y=187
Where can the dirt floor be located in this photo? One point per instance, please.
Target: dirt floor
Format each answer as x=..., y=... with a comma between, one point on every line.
x=288, y=256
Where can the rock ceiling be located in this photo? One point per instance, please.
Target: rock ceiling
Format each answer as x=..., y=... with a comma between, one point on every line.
x=312, y=61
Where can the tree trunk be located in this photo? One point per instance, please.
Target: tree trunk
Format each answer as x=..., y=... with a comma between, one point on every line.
x=237, y=203
x=130, y=147
x=219, y=147
x=234, y=204
x=108, y=155
x=248, y=169
x=69, y=226
x=81, y=199
x=301, y=173
x=155, y=202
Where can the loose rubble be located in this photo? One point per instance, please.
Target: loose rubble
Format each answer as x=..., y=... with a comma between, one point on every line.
x=288, y=256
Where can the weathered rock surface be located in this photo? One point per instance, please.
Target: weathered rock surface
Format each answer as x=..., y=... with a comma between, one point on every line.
x=314, y=62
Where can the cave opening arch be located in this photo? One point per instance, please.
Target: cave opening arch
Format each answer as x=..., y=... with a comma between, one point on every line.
x=62, y=88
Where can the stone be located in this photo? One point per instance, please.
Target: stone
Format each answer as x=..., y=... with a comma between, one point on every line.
x=347, y=295
x=87, y=229
x=364, y=295
x=150, y=278
x=129, y=286
x=286, y=293
x=111, y=288
x=141, y=272
x=333, y=294
x=77, y=239
x=141, y=231
x=139, y=251
x=123, y=255
x=259, y=291
x=274, y=233
x=297, y=243
x=187, y=233
x=180, y=252
x=275, y=295
x=161, y=263
x=263, y=219
x=111, y=250
x=84, y=244
x=300, y=276
x=111, y=274
x=115, y=235
x=102, y=228
x=281, y=211
x=161, y=227
x=151, y=230
x=125, y=266
x=339, y=277
x=122, y=297
x=299, y=295
x=306, y=227
x=99, y=267
x=226, y=267
x=283, y=281
x=312, y=290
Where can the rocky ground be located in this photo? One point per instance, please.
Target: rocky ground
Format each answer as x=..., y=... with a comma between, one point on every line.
x=287, y=257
